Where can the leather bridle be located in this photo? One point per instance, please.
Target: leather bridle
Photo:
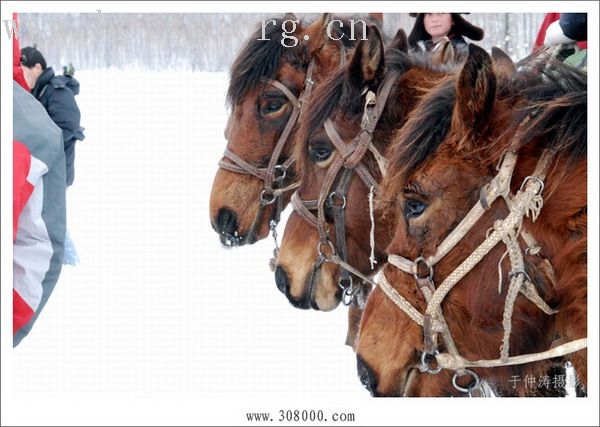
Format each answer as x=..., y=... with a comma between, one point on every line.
x=348, y=160
x=273, y=176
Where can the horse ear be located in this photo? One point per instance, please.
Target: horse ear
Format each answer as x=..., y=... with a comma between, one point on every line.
x=444, y=53
x=400, y=41
x=367, y=64
x=290, y=17
x=475, y=92
x=504, y=67
x=316, y=33
x=376, y=19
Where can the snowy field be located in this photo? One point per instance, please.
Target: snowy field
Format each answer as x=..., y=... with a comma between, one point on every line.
x=157, y=307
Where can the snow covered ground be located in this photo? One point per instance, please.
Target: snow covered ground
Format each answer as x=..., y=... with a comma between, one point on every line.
x=157, y=307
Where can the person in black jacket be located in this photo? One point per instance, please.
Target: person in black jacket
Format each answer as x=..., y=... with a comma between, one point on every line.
x=57, y=95
x=431, y=28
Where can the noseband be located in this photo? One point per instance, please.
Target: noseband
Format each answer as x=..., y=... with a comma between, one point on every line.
x=275, y=173
x=349, y=159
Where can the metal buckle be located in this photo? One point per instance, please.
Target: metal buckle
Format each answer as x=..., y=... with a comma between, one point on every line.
x=282, y=173
x=416, y=273
x=514, y=273
x=331, y=201
x=320, y=252
x=425, y=365
x=266, y=201
x=533, y=178
x=469, y=390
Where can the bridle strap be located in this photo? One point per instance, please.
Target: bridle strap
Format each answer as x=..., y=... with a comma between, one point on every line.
x=303, y=208
x=498, y=186
x=337, y=203
x=527, y=202
x=452, y=362
x=239, y=165
x=348, y=156
x=270, y=195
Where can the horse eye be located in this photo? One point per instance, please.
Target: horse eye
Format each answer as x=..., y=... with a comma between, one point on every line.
x=319, y=153
x=413, y=208
x=272, y=107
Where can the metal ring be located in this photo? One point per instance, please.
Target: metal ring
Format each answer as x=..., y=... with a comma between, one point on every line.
x=534, y=178
x=283, y=173
x=331, y=201
x=347, y=296
x=466, y=372
x=267, y=201
x=416, y=273
x=320, y=252
x=425, y=365
x=345, y=287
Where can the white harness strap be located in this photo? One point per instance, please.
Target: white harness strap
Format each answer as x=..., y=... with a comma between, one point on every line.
x=526, y=203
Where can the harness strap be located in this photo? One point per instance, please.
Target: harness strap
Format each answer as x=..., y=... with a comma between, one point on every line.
x=330, y=176
x=498, y=186
x=300, y=207
x=239, y=165
x=283, y=88
x=348, y=156
x=338, y=208
x=453, y=362
x=527, y=202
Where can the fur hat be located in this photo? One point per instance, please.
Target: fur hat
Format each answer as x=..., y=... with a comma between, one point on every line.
x=460, y=27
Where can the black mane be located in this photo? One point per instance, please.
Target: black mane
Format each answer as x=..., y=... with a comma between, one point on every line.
x=259, y=59
x=425, y=129
x=337, y=92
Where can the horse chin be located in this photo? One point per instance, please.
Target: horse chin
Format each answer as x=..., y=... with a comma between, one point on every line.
x=229, y=241
x=321, y=296
x=237, y=240
x=328, y=303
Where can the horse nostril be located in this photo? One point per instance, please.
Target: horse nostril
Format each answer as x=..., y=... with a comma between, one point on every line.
x=227, y=222
x=366, y=376
x=281, y=280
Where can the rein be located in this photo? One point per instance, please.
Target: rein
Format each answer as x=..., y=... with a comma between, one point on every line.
x=275, y=173
x=527, y=202
x=348, y=160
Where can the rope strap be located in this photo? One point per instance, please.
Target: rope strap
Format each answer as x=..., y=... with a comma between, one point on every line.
x=453, y=362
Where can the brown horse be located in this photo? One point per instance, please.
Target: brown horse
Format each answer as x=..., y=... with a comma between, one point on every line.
x=301, y=274
x=439, y=173
x=268, y=83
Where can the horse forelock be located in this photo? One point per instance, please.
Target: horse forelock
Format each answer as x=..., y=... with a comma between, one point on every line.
x=426, y=128
x=261, y=59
